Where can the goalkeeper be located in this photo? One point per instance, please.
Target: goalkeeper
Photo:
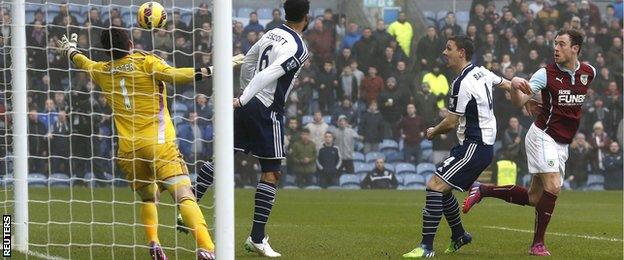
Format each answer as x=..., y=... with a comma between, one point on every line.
x=133, y=82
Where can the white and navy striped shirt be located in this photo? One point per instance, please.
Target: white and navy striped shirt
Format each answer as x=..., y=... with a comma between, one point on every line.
x=471, y=99
x=271, y=66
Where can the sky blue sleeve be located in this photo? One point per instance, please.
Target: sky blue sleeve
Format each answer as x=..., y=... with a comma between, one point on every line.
x=538, y=81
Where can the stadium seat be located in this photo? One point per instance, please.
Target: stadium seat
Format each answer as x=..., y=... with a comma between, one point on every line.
x=318, y=12
x=349, y=181
x=359, y=167
x=405, y=168
x=413, y=182
x=244, y=12
x=425, y=168
x=265, y=13
x=372, y=156
x=441, y=15
x=37, y=180
x=306, y=119
x=426, y=155
x=359, y=146
x=426, y=144
x=289, y=180
x=358, y=157
x=327, y=119
x=389, y=167
x=595, y=182
x=59, y=180
x=388, y=145
x=361, y=176
x=313, y=187
x=394, y=157
x=6, y=180
x=179, y=107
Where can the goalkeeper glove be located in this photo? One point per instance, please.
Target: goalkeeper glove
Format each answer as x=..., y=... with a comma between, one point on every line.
x=67, y=47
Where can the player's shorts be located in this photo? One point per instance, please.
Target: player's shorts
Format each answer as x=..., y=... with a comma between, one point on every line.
x=259, y=131
x=464, y=164
x=151, y=163
x=544, y=154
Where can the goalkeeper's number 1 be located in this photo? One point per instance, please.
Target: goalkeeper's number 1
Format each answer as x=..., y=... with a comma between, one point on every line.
x=124, y=92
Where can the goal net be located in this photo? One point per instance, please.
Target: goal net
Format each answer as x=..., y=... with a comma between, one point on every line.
x=80, y=204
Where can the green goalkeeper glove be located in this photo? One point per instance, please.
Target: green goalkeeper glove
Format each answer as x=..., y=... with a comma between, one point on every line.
x=67, y=47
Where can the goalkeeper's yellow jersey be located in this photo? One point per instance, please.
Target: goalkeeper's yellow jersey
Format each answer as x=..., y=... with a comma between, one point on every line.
x=135, y=87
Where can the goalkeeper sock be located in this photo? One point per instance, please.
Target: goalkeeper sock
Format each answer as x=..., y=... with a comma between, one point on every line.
x=149, y=217
x=432, y=214
x=265, y=197
x=451, y=213
x=194, y=219
x=204, y=180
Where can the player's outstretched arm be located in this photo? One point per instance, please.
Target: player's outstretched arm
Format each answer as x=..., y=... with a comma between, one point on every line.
x=163, y=72
x=68, y=48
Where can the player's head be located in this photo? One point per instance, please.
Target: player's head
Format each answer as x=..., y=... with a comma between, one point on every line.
x=568, y=45
x=459, y=49
x=116, y=40
x=297, y=12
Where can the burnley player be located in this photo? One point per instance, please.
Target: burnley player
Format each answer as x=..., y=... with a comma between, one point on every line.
x=562, y=85
x=471, y=110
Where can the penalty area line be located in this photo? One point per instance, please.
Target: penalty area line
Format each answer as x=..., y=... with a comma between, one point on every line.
x=43, y=256
x=557, y=234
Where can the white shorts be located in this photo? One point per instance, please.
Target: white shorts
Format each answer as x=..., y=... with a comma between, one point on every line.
x=544, y=154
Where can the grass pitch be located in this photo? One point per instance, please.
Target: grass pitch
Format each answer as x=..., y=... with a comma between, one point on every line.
x=82, y=223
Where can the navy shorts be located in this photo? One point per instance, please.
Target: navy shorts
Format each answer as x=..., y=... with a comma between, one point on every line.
x=464, y=165
x=259, y=131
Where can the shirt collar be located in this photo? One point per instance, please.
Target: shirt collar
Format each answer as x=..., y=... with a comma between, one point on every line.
x=578, y=66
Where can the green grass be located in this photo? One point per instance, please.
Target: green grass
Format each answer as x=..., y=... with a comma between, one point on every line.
x=327, y=224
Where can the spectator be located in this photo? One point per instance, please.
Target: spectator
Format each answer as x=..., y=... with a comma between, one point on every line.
x=345, y=109
x=371, y=86
x=37, y=145
x=426, y=104
x=162, y=40
x=438, y=84
x=64, y=12
x=534, y=61
x=252, y=38
x=191, y=139
x=536, y=6
x=371, y=128
x=348, y=85
x=381, y=36
x=600, y=142
x=429, y=48
x=48, y=116
x=276, y=22
x=203, y=110
x=451, y=22
x=614, y=60
x=344, y=60
x=380, y=177
x=609, y=15
x=388, y=63
x=327, y=86
x=547, y=16
x=578, y=162
x=613, y=167
x=59, y=139
x=317, y=128
x=403, y=77
x=253, y=25
x=318, y=38
x=365, y=49
x=402, y=31
x=352, y=36
x=359, y=75
x=328, y=162
x=513, y=140
x=202, y=16
x=411, y=128
x=36, y=40
x=478, y=18
x=329, y=22
x=345, y=141
x=183, y=53
x=598, y=113
x=180, y=27
x=245, y=168
x=392, y=101
x=292, y=131
x=238, y=32
x=303, y=153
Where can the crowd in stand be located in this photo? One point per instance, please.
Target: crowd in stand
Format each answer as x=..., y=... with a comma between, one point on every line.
x=361, y=86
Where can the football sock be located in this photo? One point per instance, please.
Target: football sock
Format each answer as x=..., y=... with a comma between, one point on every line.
x=543, y=211
x=204, y=180
x=510, y=193
x=432, y=214
x=149, y=218
x=194, y=219
x=451, y=213
x=264, y=199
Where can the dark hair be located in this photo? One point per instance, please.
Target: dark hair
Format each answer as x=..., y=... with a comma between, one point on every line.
x=305, y=131
x=296, y=10
x=463, y=42
x=254, y=12
x=576, y=37
x=117, y=41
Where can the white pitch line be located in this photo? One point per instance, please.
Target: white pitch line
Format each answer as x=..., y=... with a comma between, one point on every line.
x=43, y=256
x=558, y=234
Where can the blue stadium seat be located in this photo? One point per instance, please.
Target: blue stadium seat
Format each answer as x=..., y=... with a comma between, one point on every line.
x=349, y=181
x=426, y=144
x=425, y=168
x=414, y=182
x=389, y=167
x=442, y=14
x=359, y=167
x=244, y=12
x=358, y=157
x=362, y=176
x=388, y=145
x=426, y=155
x=327, y=119
x=359, y=146
x=372, y=156
x=595, y=182
x=394, y=157
x=462, y=16
x=306, y=119
x=179, y=107
x=405, y=168
x=37, y=180
x=265, y=13
x=59, y=180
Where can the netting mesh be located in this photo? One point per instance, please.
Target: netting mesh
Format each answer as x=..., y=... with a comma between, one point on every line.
x=80, y=205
